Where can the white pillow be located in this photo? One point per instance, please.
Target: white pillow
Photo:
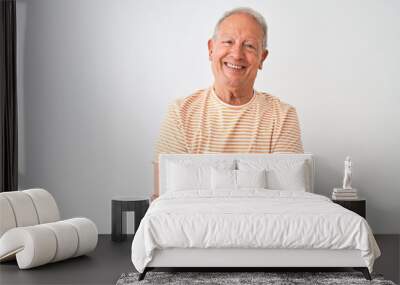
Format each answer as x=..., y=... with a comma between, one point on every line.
x=282, y=174
x=223, y=179
x=183, y=177
x=226, y=179
x=288, y=178
x=189, y=175
x=251, y=178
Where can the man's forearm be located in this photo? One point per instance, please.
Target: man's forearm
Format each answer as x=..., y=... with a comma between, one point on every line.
x=156, y=192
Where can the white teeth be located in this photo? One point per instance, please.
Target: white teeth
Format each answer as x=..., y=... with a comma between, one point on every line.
x=234, y=66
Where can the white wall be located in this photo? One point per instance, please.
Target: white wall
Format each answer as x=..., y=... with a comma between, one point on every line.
x=95, y=78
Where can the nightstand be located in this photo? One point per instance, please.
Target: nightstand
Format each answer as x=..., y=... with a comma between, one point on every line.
x=119, y=207
x=358, y=206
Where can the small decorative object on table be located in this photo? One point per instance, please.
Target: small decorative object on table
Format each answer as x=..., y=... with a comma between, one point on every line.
x=347, y=192
x=120, y=205
x=347, y=196
x=347, y=173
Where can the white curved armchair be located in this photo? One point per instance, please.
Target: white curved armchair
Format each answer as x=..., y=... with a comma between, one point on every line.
x=31, y=230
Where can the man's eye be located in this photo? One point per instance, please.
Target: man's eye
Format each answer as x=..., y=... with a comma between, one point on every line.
x=227, y=42
x=250, y=46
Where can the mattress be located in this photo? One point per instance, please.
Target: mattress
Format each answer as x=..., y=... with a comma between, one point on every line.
x=250, y=219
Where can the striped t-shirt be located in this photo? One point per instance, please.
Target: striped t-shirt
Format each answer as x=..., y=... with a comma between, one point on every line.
x=203, y=123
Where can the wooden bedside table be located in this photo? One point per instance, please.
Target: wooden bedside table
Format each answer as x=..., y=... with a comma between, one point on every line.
x=358, y=206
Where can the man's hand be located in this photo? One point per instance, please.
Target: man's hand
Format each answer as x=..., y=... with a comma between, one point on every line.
x=153, y=197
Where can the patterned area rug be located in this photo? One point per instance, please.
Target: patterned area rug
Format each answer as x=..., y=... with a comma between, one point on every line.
x=269, y=278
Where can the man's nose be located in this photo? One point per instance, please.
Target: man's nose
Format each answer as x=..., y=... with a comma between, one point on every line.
x=237, y=51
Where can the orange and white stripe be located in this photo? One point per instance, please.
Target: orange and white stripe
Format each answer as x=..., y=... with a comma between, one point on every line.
x=203, y=123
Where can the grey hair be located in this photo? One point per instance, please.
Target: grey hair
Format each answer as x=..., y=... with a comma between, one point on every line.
x=254, y=14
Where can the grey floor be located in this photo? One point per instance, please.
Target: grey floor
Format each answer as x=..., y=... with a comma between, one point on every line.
x=111, y=259
x=102, y=266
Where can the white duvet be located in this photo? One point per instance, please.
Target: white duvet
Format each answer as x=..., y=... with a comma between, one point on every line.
x=250, y=219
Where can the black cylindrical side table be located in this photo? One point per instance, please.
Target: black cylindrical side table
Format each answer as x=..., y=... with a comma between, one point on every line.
x=119, y=207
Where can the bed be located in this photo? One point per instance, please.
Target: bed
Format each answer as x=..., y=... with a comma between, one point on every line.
x=248, y=210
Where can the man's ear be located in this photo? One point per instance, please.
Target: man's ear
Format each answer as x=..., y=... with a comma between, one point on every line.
x=210, y=48
x=263, y=58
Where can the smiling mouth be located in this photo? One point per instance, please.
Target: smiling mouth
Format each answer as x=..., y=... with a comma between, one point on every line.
x=234, y=66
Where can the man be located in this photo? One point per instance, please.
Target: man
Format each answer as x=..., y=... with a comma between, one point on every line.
x=231, y=116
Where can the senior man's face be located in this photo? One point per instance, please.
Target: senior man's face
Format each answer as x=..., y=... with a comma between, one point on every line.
x=236, y=53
